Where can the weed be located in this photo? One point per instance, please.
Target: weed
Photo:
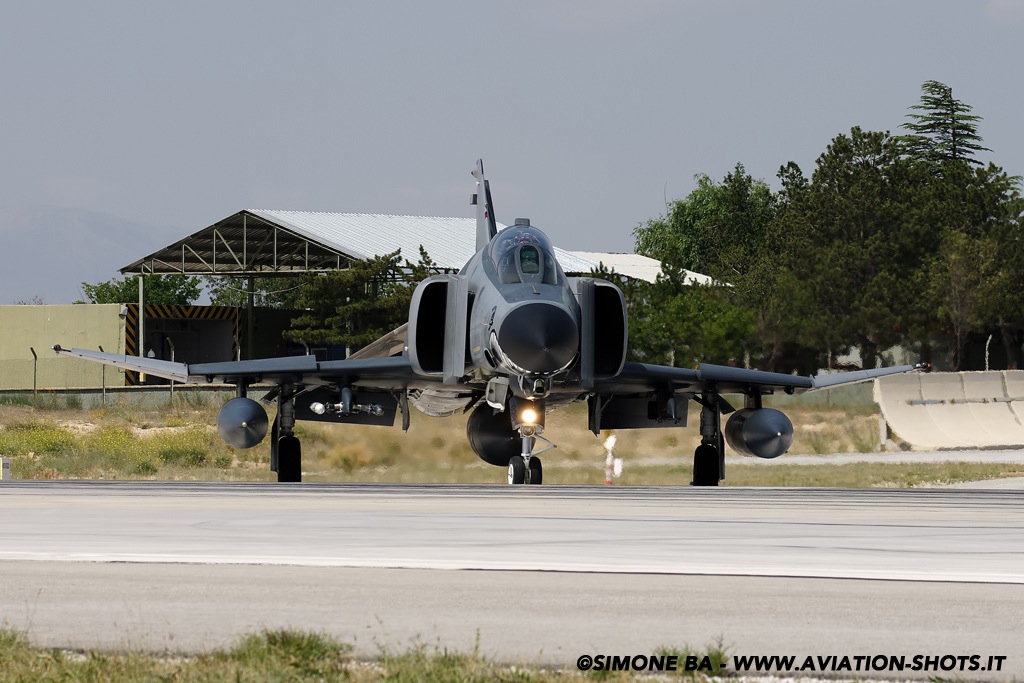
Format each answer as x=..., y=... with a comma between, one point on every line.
x=818, y=443
x=192, y=399
x=18, y=399
x=714, y=655
x=306, y=655
x=182, y=455
x=865, y=440
x=35, y=437
x=146, y=468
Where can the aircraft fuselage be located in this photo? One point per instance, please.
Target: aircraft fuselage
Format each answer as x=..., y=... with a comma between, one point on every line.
x=524, y=320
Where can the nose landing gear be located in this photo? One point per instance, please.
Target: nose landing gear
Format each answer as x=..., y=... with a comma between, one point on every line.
x=527, y=468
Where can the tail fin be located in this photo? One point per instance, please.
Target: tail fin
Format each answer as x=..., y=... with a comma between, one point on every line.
x=486, y=227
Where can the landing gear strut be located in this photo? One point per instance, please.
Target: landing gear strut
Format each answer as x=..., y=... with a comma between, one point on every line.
x=709, y=457
x=285, y=448
x=526, y=468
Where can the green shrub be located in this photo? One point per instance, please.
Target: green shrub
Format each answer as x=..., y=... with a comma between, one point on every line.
x=184, y=456
x=146, y=468
x=35, y=437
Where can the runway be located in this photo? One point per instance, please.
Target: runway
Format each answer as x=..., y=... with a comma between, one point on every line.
x=568, y=570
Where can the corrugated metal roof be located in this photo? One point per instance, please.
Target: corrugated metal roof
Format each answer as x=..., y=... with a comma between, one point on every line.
x=449, y=241
x=268, y=241
x=637, y=267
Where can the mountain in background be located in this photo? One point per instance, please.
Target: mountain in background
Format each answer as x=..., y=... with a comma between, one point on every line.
x=48, y=252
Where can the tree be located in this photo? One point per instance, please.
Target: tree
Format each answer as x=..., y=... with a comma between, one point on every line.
x=945, y=131
x=857, y=253
x=359, y=304
x=159, y=289
x=967, y=281
x=721, y=229
x=976, y=277
x=270, y=292
x=715, y=229
x=681, y=323
x=967, y=209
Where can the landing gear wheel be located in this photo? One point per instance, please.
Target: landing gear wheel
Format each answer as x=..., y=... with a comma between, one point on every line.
x=517, y=470
x=289, y=459
x=705, y=466
x=536, y=474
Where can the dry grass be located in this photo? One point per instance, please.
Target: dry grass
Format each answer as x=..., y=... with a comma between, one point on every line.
x=294, y=655
x=180, y=443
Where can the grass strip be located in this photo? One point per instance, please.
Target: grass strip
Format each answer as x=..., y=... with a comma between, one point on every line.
x=295, y=655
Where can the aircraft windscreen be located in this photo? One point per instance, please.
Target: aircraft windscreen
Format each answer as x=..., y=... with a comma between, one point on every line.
x=524, y=255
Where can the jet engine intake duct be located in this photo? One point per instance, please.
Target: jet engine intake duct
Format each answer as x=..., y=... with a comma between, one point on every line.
x=242, y=422
x=427, y=318
x=762, y=432
x=604, y=330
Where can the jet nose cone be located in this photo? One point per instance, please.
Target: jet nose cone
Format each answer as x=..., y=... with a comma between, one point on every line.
x=539, y=337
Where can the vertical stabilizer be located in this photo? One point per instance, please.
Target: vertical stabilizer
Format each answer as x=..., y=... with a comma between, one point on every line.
x=486, y=226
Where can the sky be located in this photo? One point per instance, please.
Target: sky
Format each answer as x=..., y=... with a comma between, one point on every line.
x=127, y=125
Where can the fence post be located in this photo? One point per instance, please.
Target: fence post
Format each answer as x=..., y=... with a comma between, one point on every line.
x=171, y=344
x=35, y=373
x=103, y=382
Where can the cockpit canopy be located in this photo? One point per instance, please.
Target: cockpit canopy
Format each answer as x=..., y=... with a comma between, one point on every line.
x=522, y=253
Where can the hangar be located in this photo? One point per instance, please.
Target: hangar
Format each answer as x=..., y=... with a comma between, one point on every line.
x=261, y=243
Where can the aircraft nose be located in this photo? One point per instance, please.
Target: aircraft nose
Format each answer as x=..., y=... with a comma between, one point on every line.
x=539, y=337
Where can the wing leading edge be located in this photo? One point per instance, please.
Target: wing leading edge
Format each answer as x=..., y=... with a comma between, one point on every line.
x=377, y=372
x=727, y=379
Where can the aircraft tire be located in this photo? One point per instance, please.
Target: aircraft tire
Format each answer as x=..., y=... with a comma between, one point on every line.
x=289, y=459
x=536, y=473
x=517, y=470
x=705, y=466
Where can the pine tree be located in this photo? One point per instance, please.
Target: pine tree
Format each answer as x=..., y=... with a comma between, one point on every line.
x=359, y=304
x=944, y=130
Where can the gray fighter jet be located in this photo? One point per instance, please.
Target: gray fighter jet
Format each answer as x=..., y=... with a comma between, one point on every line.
x=509, y=337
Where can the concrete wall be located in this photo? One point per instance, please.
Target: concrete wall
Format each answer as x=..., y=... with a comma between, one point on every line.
x=86, y=326
x=942, y=410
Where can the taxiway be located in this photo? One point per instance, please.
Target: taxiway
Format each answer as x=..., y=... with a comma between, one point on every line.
x=529, y=574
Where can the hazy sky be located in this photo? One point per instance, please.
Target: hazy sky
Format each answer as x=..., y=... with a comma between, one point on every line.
x=587, y=113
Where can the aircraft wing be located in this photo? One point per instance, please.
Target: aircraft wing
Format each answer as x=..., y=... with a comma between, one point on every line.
x=383, y=373
x=638, y=377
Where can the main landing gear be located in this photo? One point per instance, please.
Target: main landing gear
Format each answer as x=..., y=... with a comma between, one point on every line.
x=709, y=457
x=285, y=448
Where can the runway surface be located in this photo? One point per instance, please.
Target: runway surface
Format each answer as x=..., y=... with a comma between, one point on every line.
x=570, y=570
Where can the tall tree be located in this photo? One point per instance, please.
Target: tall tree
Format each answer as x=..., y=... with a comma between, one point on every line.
x=716, y=229
x=966, y=208
x=360, y=304
x=943, y=130
x=860, y=251
x=967, y=283
x=720, y=229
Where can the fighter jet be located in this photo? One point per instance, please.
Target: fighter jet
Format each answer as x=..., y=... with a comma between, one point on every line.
x=508, y=337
